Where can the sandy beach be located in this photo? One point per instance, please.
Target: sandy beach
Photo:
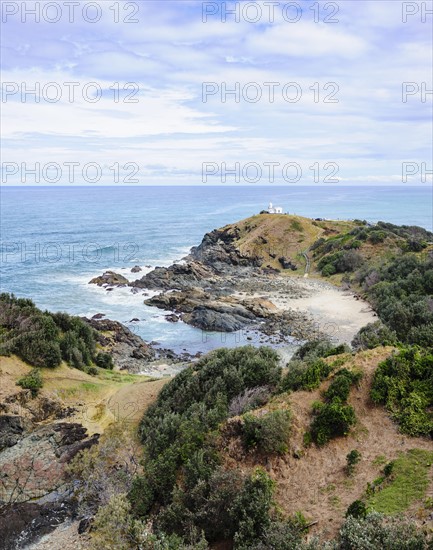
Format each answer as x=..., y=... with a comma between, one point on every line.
x=336, y=312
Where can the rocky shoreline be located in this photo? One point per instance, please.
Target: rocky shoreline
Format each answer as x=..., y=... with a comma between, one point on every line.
x=219, y=287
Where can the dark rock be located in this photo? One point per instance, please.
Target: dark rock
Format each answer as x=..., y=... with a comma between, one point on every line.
x=109, y=278
x=128, y=350
x=286, y=263
x=36, y=464
x=99, y=316
x=136, y=269
x=84, y=525
x=11, y=430
x=180, y=276
x=172, y=318
x=23, y=523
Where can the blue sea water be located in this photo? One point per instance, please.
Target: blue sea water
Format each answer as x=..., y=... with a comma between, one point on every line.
x=55, y=239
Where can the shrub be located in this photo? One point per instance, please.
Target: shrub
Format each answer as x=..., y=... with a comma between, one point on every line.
x=341, y=384
x=188, y=410
x=331, y=420
x=352, y=460
x=329, y=270
x=404, y=384
x=283, y=535
x=32, y=381
x=376, y=237
x=249, y=399
x=104, y=361
x=268, y=433
x=377, y=531
x=251, y=509
x=357, y=510
x=389, y=468
x=43, y=339
x=374, y=335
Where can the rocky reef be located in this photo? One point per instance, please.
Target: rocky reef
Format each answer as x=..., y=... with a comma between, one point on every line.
x=205, y=288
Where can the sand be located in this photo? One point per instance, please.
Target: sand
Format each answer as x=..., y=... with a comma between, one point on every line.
x=336, y=312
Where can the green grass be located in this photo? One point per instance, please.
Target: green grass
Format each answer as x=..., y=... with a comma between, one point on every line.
x=408, y=483
x=115, y=376
x=89, y=386
x=380, y=460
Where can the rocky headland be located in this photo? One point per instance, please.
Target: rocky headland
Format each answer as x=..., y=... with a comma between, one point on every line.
x=244, y=276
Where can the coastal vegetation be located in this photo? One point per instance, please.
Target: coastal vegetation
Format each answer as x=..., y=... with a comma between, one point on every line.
x=403, y=383
x=44, y=339
x=393, y=267
x=221, y=447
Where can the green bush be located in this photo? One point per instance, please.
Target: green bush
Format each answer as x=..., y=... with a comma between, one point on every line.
x=283, y=535
x=352, y=460
x=331, y=420
x=43, y=339
x=32, y=381
x=376, y=237
x=268, y=433
x=377, y=531
x=329, y=270
x=341, y=384
x=357, y=509
x=188, y=410
x=104, y=361
x=251, y=509
x=302, y=376
x=404, y=384
x=374, y=335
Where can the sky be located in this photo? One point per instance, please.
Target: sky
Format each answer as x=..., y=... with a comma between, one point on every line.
x=191, y=92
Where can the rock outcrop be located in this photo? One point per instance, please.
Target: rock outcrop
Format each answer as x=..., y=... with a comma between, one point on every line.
x=109, y=278
x=177, y=276
x=128, y=350
x=35, y=464
x=11, y=430
x=207, y=311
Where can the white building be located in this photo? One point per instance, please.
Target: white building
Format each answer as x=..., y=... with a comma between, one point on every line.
x=274, y=209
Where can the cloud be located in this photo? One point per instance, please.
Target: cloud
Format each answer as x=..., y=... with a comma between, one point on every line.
x=171, y=53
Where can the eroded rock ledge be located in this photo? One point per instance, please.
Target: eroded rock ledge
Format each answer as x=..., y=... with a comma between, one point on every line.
x=204, y=289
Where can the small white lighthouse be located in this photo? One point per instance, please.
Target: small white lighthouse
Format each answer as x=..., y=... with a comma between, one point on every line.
x=274, y=209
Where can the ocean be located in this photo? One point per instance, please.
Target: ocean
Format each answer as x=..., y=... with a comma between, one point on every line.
x=55, y=239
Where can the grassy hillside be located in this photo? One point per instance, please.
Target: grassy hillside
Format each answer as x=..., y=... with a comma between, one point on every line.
x=391, y=266
x=276, y=236
x=229, y=459
x=280, y=235
x=96, y=401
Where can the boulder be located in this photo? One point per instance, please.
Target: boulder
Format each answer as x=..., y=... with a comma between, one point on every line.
x=136, y=269
x=11, y=430
x=172, y=318
x=286, y=263
x=109, y=278
x=128, y=350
